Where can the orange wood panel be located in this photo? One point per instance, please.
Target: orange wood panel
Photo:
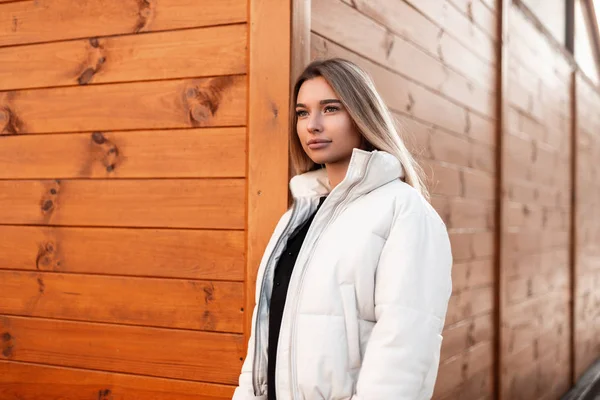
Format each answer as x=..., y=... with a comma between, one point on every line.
x=33, y=382
x=50, y=20
x=268, y=124
x=199, y=305
x=162, y=55
x=176, y=203
x=193, y=254
x=169, y=353
x=203, y=102
x=142, y=154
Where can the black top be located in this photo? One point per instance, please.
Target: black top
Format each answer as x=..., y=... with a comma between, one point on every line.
x=281, y=281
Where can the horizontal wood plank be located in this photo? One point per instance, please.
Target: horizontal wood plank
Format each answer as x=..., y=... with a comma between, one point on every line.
x=169, y=353
x=392, y=51
x=205, y=254
x=163, y=55
x=171, y=303
x=51, y=20
x=177, y=203
x=216, y=101
x=190, y=153
x=24, y=381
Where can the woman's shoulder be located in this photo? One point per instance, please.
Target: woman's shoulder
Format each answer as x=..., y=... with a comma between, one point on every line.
x=408, y=201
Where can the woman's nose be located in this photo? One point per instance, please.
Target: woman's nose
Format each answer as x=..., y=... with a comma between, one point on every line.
x=315, y=124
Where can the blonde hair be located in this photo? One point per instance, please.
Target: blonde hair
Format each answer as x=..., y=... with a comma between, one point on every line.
x=369, y=113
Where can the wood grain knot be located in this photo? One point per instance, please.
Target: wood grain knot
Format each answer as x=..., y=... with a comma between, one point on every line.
x=145, y=15
x=11, y=124
x=204, y=98
x=7, y=345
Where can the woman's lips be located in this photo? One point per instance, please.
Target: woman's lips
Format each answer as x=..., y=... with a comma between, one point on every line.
x=318, y=145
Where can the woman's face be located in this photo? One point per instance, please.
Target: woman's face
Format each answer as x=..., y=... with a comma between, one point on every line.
x=324, y=127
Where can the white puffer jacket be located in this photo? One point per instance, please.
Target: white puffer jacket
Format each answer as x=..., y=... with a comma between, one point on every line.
x=368, y=296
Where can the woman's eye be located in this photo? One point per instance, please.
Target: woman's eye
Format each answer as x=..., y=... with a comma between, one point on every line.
x=301, y=113
x=331, y=109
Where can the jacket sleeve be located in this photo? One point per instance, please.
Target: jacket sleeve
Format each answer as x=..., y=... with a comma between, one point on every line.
x=412, y=289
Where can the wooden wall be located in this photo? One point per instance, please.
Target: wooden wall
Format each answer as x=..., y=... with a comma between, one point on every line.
x=435, y=65
x=126, y=201
x=536, y=204
x=587, y=221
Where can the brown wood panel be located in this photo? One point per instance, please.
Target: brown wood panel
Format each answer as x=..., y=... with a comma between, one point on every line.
x=411, y=99
x=268, y=127
x=193, y=254
x=346, y=26
x=409, y=23
x=162, y=55
x=479, y=14
x=169, y=353
x=459, y=26
x=217, y=101
x=50, y=20
x=173, y=303
x=177, y=203
x=586, y=272
x=24, y=381
x=143, y=154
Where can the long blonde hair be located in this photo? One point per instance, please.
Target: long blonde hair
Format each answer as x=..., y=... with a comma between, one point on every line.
x=369, y=113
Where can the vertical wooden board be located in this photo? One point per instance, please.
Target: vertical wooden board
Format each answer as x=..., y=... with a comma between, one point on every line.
x=217, y=101
x=534, y=316
x=193, y=254
x=23, y=381
x=189, y=153
x=587, y=228
x=173, y=303
x=169, y=353
x=161, y=55
x=51, y=20
x=175, y=203
x=268, y=116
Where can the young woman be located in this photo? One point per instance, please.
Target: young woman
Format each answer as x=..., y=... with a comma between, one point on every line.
x=354, y=285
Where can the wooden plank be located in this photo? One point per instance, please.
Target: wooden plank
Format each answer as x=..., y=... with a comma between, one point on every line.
x=268, y=125
x=178, y=203
x=217, y=101
x=192, y=254
x=51, y=20
x=169, y=353
x=349, y=28
x=410, y=24
x=459, y=26
x=409, y=98
x=163, y=55
x=31, y=382
x=189, y=153
x=170, y=303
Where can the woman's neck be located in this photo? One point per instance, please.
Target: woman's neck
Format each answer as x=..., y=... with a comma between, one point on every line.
x=336, y=172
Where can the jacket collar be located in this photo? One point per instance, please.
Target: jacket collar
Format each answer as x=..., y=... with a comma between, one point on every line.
x=376, y=167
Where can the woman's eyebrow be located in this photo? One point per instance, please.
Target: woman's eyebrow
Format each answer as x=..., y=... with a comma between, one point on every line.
x=326, y=101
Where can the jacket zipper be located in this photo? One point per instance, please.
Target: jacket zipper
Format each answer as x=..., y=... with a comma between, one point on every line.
x=300, y=284
x=255, y=360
